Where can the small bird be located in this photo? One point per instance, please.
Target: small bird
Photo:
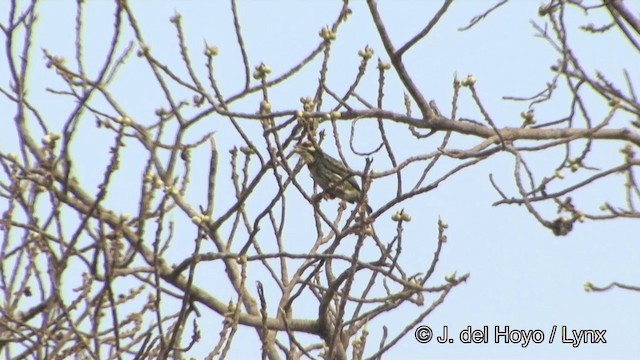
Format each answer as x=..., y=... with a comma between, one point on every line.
x=334, y=177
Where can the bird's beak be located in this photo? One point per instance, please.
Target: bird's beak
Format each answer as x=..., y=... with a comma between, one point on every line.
x=296, y=151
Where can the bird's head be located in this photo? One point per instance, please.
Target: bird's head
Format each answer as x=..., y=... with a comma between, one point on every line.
x=306, y=150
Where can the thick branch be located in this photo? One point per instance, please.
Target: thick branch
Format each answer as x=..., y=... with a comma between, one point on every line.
x=507, y=133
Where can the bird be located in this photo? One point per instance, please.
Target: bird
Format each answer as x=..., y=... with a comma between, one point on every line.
x=332, y=175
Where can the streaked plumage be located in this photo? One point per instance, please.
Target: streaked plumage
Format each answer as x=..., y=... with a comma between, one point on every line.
x=330, y=174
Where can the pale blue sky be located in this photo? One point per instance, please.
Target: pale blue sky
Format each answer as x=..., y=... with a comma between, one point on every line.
x=521, y=275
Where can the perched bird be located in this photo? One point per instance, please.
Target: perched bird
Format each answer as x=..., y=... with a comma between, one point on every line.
x=330, y=174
